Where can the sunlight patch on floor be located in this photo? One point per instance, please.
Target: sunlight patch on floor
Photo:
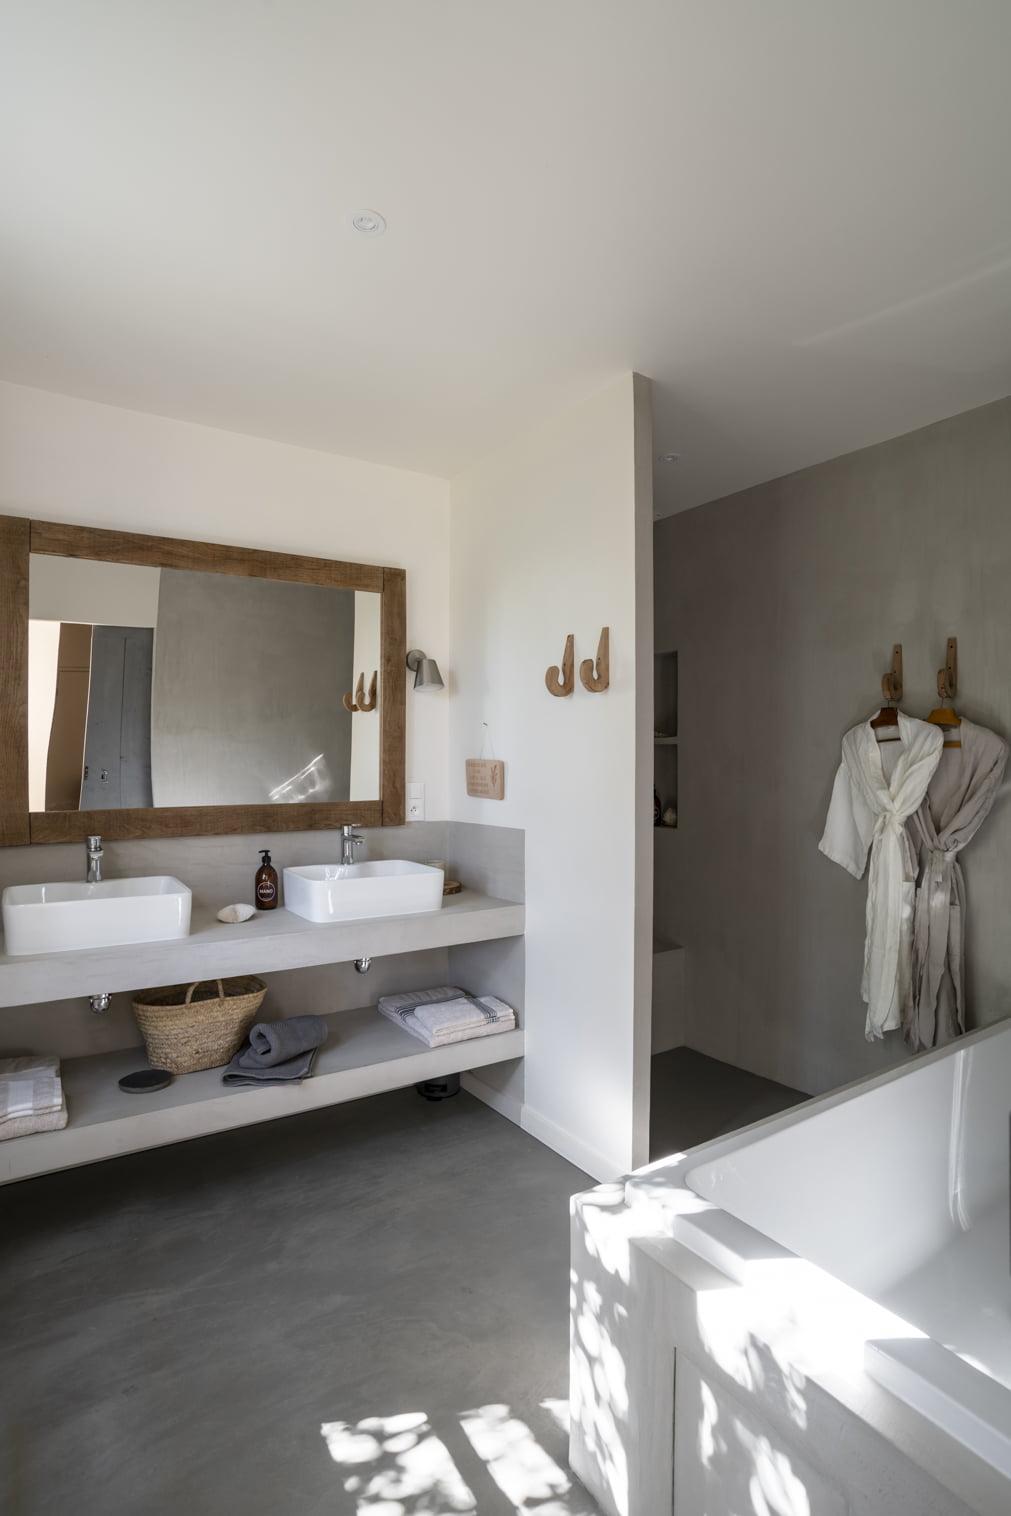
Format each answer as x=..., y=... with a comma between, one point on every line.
x=400, y=1466
x=396, y=1465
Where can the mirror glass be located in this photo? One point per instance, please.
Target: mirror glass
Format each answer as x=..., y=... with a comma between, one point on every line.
x=165, y=687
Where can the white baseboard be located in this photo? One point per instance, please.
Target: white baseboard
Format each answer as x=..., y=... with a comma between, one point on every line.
x=576, y=1151
x=506, y=1105
x=553, y=1136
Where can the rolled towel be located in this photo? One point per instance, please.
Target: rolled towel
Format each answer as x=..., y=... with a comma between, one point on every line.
x=274, y=1042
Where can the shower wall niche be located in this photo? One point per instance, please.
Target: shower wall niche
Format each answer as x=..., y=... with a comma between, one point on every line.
x=665, y=734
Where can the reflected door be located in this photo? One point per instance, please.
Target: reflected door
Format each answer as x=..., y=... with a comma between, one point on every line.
x=117, y=744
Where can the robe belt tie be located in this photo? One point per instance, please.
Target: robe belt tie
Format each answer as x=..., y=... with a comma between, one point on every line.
x=940, y=862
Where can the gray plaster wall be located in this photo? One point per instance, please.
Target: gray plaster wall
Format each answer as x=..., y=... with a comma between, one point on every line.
x=783, y=603
x=248, y=680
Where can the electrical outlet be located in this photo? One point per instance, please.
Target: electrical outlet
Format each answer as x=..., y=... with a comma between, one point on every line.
x=415, y=802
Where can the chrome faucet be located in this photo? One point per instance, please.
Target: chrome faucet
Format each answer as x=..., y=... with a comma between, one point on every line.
x=95, y=856
x=350, y=839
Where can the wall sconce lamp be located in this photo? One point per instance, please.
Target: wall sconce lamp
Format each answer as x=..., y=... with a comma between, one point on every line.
x=425, y=671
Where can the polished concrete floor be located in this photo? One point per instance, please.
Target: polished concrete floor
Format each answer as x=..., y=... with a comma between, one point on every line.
x=362, y=1310
x=694, y=1098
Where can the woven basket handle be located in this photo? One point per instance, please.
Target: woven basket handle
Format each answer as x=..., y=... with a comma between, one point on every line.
x=196, y=985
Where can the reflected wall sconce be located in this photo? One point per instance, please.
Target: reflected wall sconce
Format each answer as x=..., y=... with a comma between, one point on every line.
x=425, y=670
x=358, y=701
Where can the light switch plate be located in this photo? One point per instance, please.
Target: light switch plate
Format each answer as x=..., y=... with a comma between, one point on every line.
x=415, y=802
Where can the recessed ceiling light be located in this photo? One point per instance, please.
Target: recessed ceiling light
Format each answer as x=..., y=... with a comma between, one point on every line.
x=669, y=458
x=369, y=223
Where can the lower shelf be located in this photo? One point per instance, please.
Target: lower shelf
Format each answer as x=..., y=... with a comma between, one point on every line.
x=365, y=1055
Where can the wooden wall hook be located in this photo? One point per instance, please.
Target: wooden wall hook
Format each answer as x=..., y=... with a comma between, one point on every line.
x=370, y=703
x=597, y=678
x=891, y=683
x=356, y=701
x=563, y=681
x=947, y=678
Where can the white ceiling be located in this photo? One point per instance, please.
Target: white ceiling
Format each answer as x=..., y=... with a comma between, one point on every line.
x=793, y=215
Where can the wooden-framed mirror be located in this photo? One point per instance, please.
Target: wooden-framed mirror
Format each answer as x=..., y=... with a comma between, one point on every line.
x=157, y=687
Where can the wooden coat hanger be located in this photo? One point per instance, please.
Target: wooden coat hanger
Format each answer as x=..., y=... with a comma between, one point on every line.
x=947, y=684
x=887, y=718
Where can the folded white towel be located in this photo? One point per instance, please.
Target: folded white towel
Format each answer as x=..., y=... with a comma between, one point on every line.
x=438, y=1017
x=456, y=1018
x=31, y=1096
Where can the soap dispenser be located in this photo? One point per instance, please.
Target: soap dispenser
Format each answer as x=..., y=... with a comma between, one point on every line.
x=266, y=891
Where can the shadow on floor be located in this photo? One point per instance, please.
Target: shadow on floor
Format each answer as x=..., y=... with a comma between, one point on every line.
x=694, y=1098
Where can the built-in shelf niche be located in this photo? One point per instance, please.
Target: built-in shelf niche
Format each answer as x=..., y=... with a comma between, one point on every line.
x=665, y=731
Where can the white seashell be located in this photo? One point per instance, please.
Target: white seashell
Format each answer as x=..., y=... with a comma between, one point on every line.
x=233, y=913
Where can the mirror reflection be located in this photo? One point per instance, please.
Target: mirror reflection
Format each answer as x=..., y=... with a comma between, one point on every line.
x=165, y=687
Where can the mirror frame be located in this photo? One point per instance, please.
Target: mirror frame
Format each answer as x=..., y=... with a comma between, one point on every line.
x=20, y=537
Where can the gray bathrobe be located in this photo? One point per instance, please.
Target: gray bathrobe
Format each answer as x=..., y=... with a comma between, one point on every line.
x=958, y=801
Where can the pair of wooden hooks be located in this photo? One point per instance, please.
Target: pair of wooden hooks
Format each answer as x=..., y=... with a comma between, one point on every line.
x=357, y=701
x=594, y=673
x=947, y=678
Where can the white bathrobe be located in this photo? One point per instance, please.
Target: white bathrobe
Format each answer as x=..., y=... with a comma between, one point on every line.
x=961, y=794
x=876, y=789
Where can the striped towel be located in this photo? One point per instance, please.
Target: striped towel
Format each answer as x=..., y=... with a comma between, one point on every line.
x=31, y=1097
x=447, y=1014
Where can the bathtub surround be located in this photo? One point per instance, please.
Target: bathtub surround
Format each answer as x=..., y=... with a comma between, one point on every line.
x=787, y=598
x=752, y=1320
x=565, y=514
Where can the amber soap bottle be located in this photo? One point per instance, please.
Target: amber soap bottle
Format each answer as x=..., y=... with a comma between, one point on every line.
x=266, y=884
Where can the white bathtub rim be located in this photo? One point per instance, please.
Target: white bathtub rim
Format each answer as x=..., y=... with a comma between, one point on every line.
x=667, y=1216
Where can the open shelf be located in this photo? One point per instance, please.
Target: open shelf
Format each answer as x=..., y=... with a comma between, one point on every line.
x=365, y=1055
x=272, y=941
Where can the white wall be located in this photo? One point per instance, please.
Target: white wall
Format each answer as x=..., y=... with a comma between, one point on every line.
x=102, y=594
x=63, y=459
x=548, y=537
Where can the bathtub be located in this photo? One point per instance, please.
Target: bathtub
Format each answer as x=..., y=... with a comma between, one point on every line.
x=897, y=1188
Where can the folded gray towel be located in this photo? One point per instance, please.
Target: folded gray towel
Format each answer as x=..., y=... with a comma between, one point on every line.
x=291, y=1072
x=278, y=1052
x=274, y=1042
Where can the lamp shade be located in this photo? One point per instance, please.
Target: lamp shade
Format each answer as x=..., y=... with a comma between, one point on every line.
x=425, y=671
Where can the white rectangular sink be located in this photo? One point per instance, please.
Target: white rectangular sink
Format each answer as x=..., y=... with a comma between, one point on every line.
x=352, y=891
x=58, y=918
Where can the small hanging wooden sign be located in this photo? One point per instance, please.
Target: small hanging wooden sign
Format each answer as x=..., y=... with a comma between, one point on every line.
x=486, y=778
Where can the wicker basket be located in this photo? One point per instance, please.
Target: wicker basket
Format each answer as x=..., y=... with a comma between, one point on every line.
x=197, y=1026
